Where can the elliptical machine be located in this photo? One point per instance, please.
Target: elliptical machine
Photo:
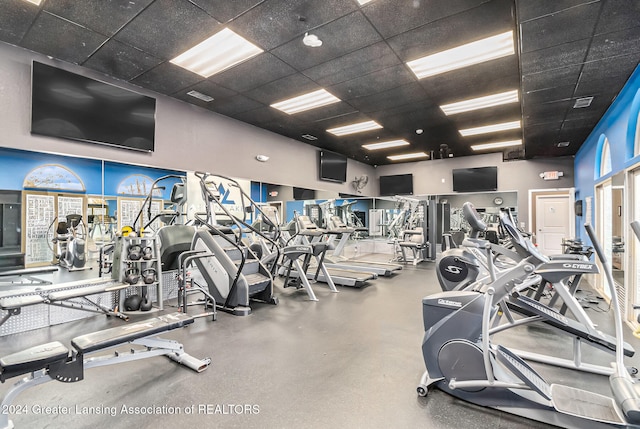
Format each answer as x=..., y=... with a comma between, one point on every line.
x=69, y=243
x=462, y=360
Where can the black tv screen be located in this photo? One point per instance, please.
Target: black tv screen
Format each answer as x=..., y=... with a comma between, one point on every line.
x=333, y=166
x=70, y=106
x=400, y=184
x=475, y=179
x=303, y=194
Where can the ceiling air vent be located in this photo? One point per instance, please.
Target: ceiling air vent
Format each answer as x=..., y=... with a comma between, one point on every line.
x=200, y=96
x=309, y=137
x=582, y=102
x=563, y=144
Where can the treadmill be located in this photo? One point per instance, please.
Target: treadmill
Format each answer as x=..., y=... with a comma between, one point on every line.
x=308, y=232
x=337, y=227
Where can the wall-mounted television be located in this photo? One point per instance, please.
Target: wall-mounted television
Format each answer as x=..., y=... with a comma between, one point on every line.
x=333, y=166
x=70, y=106
x=399, y=184
x=475, y=179
x=303, y=194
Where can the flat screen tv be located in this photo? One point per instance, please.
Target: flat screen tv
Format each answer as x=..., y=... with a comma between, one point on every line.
x=333, y=166
x=475, y=179
x=400, y=184
x=70, y=106
x=303, y=194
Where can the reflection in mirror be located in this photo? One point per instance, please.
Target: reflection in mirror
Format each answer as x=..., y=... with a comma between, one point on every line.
x=617, y=228
x=488, y=204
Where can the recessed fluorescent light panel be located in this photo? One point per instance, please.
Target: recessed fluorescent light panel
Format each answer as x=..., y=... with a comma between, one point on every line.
x=407, y=156
x=490, y=128
x=37, y=2
x=480, y=102
x=200, y=96
x=497, y=145
x=462, y=56
x=307, y=101
x=219, y=52
x=354, y=128
x=361, y=2
x=385, y=145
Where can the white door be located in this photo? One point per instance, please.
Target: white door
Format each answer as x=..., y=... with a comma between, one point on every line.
x=553, y=222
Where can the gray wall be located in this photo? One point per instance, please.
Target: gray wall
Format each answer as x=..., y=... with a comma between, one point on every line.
x=187, y=137
x=434, y=177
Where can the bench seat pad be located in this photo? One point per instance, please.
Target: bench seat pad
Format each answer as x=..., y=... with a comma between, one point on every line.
x=33, y=359
x=122, y=334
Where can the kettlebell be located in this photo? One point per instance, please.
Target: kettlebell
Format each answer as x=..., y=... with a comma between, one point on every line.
x=145, y=304
x=147, y=253
x=149, y=275
x=132, y=276
x=132, y=303
x=135, y=252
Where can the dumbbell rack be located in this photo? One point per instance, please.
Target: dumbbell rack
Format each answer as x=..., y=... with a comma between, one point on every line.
x=141, y=264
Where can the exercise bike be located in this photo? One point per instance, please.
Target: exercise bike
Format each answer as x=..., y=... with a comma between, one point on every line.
x=69, y=244
x=462, y=360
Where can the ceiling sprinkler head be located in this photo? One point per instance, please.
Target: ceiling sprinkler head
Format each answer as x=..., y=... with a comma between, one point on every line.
x=311, y=40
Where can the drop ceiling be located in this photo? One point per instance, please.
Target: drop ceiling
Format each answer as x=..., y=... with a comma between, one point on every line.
x=565, y=50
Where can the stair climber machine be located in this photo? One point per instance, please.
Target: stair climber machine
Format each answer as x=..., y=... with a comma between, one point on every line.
x=308, y=233
x=228, y=272
x=471, y=266
x=462, y=358
x=69, y=243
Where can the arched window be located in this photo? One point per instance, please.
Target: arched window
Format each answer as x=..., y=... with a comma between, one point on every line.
x=633, y=129
x=603, y=159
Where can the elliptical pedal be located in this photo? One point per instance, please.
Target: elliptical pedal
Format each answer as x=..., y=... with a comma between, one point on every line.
x=519, y=367
x=586, y=405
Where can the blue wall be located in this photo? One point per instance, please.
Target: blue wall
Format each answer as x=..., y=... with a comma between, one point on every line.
x=15, y=165
x=619, y=126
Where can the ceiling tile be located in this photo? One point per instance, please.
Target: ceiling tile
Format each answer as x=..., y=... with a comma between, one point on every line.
x=559, y=28
x=225, y=10
x=393, y=17
x=167, y=28
x=73, y=44
x=487, y=20
x=554, y=57
x=232, y=105
x=528, y=9
x=120, y=60
x=608, y=75
x=92, y=13
x=406, y=94
x=614, y=44
x=275, y=22
x=558, y=93
x=167, y=78
x=282, y=89
x=480, y=79
x=618, y=15
x=352, y=65
x=372, y=83
x=553, y=78
x=15, y=19
x=339, y=37
x=254, y=72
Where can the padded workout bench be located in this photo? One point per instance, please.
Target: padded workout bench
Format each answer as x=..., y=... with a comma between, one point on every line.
x=52, y=361
x=61, y=295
